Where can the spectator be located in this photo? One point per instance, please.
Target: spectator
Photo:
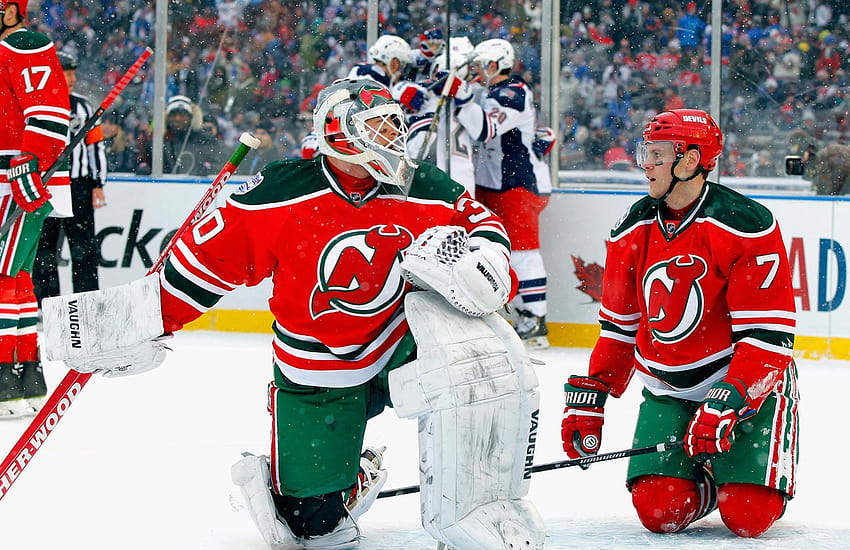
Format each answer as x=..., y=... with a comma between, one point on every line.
x=672, y=100
x=188, y=148
x=265, y=153
x=690, y=28
x=120, y=153
x=829, y=59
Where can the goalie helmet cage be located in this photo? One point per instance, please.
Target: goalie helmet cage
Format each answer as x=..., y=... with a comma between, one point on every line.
x=73, y=383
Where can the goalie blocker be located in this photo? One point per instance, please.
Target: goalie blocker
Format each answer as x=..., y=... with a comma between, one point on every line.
x=116, y=330
x=474, y=391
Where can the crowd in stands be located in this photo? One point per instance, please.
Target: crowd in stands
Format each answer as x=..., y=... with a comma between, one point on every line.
x=785, y=65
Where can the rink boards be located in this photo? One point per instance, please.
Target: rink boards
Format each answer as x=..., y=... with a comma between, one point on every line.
x=142, y=214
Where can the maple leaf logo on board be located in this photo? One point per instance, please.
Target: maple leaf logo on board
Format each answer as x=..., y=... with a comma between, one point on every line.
x=589, y=277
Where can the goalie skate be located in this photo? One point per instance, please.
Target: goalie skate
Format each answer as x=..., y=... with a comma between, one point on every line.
x=532, y=330
x=370, y=479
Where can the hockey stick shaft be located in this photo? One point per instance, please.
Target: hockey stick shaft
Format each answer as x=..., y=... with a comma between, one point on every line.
x=74, y=381
x=584, y=461
x=79, y=136
x=443, y=95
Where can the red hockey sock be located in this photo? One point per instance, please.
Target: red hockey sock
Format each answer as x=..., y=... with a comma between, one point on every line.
x=749, y=510
x=665, y=504
x=8, y=319
x=26, y=347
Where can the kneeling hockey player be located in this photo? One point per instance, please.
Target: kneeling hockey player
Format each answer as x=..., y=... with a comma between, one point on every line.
x=697, y=303
x=343, y=236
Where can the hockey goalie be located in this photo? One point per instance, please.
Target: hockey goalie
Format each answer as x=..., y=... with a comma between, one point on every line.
x=386, y=278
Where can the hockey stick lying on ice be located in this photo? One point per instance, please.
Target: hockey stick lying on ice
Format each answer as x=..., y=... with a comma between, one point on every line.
x=79, y=136
x=584, y=461
x=74, y=382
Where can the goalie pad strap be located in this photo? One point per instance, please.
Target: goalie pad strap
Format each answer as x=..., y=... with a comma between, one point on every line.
x=86, y=324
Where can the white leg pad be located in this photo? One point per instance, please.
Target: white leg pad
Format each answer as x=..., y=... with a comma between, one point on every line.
x=251, y=475
x=85, y=324
x=473, y=389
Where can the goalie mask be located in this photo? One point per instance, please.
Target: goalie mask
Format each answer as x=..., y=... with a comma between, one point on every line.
x=357, y=121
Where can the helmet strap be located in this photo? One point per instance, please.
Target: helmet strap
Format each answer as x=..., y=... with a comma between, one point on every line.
x=677, y=179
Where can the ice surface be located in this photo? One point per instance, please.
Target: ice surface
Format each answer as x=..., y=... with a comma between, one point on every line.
x=143, y=463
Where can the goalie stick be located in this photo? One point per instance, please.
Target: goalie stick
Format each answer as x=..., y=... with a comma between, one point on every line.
x=583, y=461
x=74, y=382
x=79, y=136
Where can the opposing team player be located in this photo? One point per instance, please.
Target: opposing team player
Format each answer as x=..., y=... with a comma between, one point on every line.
x=513, y=181
x=387, y=59
x=34, y=97
x=427, y=126
x=697, y=303
x=349, y=336
x=431, y=44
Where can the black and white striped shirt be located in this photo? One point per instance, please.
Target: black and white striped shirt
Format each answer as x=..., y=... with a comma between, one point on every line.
x=89, y=156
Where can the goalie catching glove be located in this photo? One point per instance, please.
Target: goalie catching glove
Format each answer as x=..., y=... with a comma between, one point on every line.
x=476, y=282
x=117, y=331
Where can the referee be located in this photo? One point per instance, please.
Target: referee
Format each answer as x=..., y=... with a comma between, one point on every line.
x=88, y=174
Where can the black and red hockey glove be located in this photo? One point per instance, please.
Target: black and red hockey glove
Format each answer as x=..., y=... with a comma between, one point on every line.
x=584, y=415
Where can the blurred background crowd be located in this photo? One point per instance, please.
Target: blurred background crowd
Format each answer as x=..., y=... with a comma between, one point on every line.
x=248, y=64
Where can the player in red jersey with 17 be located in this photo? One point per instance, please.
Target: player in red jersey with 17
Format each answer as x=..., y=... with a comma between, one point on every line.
x=697, y=303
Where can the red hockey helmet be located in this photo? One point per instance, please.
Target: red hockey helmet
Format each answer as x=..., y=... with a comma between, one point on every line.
x=686, y=128
x=22, y=6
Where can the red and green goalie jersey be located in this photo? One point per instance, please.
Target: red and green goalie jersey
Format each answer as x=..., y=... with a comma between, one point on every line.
x=35, y=101
x=687, y=306
x=333, y=259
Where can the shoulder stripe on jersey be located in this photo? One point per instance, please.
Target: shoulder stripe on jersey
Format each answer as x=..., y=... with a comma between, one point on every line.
x=419, y=200
x=278, y=204
x=737, y=232
x=27, y=51
x=631, y=229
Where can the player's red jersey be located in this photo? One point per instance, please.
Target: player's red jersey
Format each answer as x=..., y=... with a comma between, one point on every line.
x=686, y=304
x=35, y=102
x=334, y=259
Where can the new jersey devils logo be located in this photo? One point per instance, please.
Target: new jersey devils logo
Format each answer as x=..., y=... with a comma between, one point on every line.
x=674, y=298
x=359, y=272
